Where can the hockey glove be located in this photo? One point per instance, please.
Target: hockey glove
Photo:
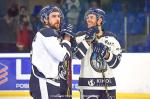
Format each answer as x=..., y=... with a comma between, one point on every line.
x=100, y=49
x=91, y=33
x=67, y=29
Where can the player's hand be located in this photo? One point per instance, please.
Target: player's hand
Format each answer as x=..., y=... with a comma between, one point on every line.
x=67, y=29
x=67, y=37
x=91, y=33
x=100, y=49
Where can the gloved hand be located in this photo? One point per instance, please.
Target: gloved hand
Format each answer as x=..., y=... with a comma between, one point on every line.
x=100, y=49
x=67, y=29
x=91, y=33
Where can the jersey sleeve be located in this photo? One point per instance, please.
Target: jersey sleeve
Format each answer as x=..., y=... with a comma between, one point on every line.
x=67, y=45
x=56, y=49
x=82, y=47
x=115, y=53
x=53, y=46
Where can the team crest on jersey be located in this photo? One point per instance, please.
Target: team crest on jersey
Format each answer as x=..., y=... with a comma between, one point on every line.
x=98, y=63
x=91, y=82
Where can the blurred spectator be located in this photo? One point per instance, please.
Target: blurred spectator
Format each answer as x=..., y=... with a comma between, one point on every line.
x=8, y=30
x=24, y=31
x=94, y=3
x=69, y=3
x=73, y=15
x=71, y=9
x=59, y=3
x=13, y=11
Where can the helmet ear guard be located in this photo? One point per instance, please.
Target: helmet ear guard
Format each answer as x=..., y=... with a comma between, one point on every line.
x=44, y=13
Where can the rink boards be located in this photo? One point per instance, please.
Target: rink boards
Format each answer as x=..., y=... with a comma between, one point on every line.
x=132, y=75
x=15, y=72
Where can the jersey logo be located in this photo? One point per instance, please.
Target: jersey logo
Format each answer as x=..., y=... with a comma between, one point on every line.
x=98, y=63
x=91, y=82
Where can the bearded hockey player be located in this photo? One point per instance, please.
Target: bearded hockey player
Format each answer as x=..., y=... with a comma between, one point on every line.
x=100, y=53
x=50, y=57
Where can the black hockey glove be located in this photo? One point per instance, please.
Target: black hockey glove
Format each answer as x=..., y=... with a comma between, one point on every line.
x=91, y=33
x=67, y=29
x=100, y=49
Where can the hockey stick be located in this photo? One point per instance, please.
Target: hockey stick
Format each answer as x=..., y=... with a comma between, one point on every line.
x=67, y=64
x=104, y=78
x=106, y=87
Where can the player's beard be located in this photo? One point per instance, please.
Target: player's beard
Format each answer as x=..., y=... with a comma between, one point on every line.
x=56, y=25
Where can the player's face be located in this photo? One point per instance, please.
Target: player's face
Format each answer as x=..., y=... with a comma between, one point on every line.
x=91, y=20
x=54, y=20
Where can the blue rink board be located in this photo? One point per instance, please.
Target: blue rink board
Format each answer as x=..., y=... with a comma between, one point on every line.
x=15, y=72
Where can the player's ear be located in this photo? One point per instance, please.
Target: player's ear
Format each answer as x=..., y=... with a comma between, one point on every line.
x=45, y=21
x=99, y=21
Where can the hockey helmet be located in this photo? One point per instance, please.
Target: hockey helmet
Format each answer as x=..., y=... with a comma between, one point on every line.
x=96, y=11
x=44, y=13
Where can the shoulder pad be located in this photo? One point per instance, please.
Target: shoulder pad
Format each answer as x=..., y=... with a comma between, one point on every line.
x=80, y=33
x=108, y=33
x=48, y=32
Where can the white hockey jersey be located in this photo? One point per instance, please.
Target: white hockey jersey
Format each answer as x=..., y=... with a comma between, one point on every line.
x=47, y=52
x=89, y=78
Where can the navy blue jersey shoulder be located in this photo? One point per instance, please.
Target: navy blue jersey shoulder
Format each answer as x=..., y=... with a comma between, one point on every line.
x=108, y=33
x=48, y=32
x=80, y=33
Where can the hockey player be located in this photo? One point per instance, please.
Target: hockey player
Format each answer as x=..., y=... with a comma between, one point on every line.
x=49, y=56
x=100, y=53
